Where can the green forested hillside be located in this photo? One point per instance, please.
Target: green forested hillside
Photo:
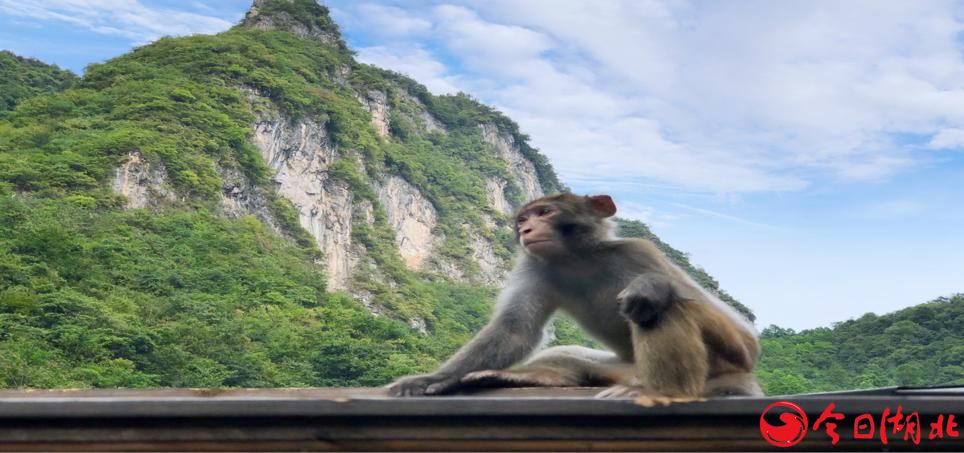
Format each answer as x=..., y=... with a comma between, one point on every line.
x=93, y=294
x=22, y=78
x=920, y=345
x=105, y=297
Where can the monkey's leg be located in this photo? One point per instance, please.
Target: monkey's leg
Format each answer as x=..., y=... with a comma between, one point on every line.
x=671, y=360
x=671, y=357
x=560, y=366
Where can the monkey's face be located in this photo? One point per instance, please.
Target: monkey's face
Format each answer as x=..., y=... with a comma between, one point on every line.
x=562, y=225
x=535, y=227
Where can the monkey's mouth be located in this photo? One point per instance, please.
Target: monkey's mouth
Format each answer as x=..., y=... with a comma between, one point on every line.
x=537, y=241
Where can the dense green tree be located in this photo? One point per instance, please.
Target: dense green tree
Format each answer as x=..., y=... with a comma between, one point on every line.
x=920, y=345
x=23, y=78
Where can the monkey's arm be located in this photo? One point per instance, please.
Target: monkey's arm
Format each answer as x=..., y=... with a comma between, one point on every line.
x=514, y=332
x=646, y=297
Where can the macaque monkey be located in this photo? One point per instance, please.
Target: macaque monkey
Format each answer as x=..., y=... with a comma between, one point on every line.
x=669, y=339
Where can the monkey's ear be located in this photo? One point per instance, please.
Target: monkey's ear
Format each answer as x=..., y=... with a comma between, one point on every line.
x=603, y=205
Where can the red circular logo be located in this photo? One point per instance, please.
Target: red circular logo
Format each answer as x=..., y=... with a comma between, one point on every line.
x=793, y=427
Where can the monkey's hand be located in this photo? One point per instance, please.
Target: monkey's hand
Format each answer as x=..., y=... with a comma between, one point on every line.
x=646, y=297
x=424, y=384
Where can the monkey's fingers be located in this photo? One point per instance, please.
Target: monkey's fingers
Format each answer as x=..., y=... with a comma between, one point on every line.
x=484, y=378
x=404, y=389
x=495, y=378
x=442, y=387
x=618, y=391
x=428, y=384
x=512, y=378
x=651, y=400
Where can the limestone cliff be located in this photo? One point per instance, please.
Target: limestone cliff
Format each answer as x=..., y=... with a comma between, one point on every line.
x=296, y=17
x=143, y=183
x=522, y=170
x=301, y=154
x=341, y=192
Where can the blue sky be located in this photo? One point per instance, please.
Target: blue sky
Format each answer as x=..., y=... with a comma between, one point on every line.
x=809, y=155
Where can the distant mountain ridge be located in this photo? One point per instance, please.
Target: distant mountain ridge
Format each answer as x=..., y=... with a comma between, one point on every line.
x=255, y=208
x=918, y=345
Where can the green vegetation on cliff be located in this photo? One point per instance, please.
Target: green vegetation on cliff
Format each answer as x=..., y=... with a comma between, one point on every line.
x=23, y=78
x=96, y=295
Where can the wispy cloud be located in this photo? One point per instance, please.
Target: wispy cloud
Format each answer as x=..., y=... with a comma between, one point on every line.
x=415, y=62
x=734, y=97
x=392, y=20
x=126, y=18
x=646, y=214
x=950, y=138
x=727, y=217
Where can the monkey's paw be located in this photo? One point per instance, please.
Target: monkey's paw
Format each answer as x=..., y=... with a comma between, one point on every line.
x=644, y=397
x=645, y=298
x=513, y=378
x=425, y=384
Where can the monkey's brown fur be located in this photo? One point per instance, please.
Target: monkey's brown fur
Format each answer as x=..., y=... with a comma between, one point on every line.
x=670, y=340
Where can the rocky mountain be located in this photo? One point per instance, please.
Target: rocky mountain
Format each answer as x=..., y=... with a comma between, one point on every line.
x=375, y=176
x=254, y=208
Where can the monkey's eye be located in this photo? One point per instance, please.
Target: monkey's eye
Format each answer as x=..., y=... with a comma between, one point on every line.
x=543, y=211
x=521, y=220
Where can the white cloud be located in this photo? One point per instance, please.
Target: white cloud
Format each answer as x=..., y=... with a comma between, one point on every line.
x=488, y=46
x=948, y=139
x=415, y=62
x=126, y=18
x=392, y=21
x=646, y=214
x=872, y=168
x=727, y=217
x=737, y=96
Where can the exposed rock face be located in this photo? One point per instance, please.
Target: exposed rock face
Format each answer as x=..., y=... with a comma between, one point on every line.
x=492, y=268
x=411, y=216
x=376, y=103
x=419, y=324
x=431, y=124
x=301, y=153
x=521, y=169
x=426, y=121
x=239, y=197
x=495, y=192
x=142, y=182
x=282, y=20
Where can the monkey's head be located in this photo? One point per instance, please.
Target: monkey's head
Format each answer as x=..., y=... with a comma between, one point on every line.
x=561, y=225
